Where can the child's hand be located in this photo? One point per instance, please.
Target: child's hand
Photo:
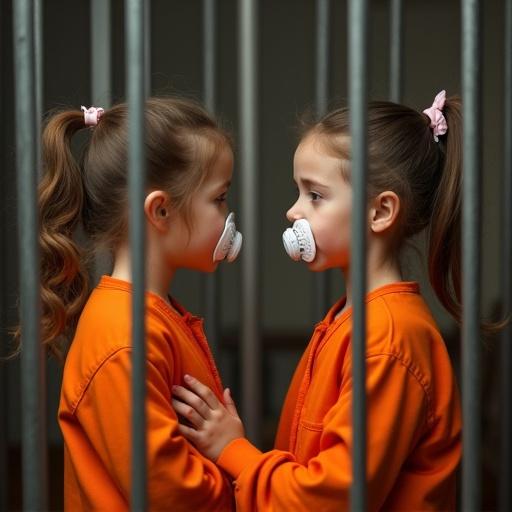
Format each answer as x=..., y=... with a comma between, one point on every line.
x=213, y=425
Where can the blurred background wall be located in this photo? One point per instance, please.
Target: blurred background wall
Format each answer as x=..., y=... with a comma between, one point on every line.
x=286, y=79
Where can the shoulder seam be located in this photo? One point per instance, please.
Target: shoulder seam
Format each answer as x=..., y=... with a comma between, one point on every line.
x=92, y=372
x=417, y=377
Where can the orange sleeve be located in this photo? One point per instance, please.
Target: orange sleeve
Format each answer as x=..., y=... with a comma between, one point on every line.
x=179, y=477
x=396, y=417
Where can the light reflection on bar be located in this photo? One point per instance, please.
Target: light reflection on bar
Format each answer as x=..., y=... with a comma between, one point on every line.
x=358, y=72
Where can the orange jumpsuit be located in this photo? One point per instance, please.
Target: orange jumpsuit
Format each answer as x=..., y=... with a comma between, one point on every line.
x=413, y=418
x=95, y=408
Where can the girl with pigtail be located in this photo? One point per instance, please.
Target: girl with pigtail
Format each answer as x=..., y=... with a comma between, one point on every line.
x=413, y=409
x=189, y=170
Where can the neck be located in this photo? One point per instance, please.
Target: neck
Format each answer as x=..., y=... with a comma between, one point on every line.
x=380, y=272
x=158, y=275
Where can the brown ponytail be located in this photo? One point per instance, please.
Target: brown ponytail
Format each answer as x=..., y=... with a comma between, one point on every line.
x=64, y=281
x=444, y=232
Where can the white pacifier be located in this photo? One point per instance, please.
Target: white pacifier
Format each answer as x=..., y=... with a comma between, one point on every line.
x=230, y=241
x=299, y=242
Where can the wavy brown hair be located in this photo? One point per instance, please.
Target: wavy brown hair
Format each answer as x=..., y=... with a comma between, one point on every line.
x=181, y=143
x=426, y=175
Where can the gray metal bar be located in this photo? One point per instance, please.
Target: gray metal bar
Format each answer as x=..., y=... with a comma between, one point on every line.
x=101, y=49
x=323, y=7
x=396, y=51
x=136, y=88
x=249, y=141
x=32, y=360
x=101, y=86
x=358, y=72
x=211, y=281
x=505, y=473
x=471, y=227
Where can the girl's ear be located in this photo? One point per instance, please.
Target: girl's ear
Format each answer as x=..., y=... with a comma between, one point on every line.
x=384, y=210
x=157, y=207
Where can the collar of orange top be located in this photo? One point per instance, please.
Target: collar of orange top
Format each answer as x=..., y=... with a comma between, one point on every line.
x=399, y=287
x=177, y=310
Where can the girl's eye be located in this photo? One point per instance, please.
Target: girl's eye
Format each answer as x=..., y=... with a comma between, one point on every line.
x=314, y=196
x=221, y=198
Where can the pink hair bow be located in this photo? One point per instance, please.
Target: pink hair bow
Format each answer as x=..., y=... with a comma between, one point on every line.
x=437, y=119
x=92, y=115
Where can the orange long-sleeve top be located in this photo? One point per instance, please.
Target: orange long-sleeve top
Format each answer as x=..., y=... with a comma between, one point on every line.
x=413, y=418
x=95, y=407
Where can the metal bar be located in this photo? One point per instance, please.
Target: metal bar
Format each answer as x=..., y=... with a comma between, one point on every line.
x=323, y=7
x=101, y=84
x=358, y=66
x=101, y=49
x=505, y=473
x=396, y=51
x=211, y=281
x=471, y=227
x=136, y=88
x=249, y=140
x=32, y=360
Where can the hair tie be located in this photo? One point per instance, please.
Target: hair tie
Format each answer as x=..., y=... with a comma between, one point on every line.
x=435, y=113
x=92, y=115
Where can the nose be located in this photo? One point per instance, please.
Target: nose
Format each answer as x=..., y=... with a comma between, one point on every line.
x=293, y=213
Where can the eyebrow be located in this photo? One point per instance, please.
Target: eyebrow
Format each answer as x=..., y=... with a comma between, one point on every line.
x=223, y=185
x=311, y=183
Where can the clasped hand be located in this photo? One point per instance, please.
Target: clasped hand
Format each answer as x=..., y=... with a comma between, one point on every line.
x=206, y=422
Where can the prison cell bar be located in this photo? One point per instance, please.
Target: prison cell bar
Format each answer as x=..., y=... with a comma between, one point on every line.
x=323, y=7
x=505, y=473
x=358, y=71
x=136, y=95
x=101, y=87
x=249, y=143
x=34, y=444
x=211, y=281
x=396, y=51
x=101, y=65
x=471, y=224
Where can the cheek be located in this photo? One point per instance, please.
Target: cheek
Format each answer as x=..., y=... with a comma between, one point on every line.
x=332, y=234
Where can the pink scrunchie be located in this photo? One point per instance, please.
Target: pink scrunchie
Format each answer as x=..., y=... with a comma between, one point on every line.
x=437, y=119
x=92, y=115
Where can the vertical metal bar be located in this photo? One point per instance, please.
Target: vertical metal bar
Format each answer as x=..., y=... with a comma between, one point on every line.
x=471, y=386
x=136, y=88
x=101, y=85
x=321, y=280
x=211, y=281
x=101, y=48
x=358, y=66
x=505, y=473
x=32, y=360
x=251, y=340
x=396, y=51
